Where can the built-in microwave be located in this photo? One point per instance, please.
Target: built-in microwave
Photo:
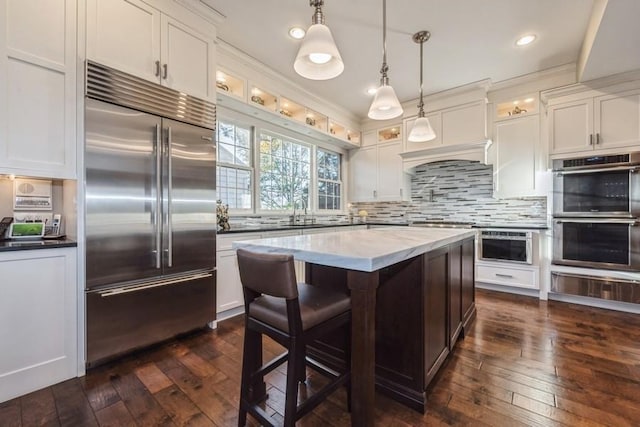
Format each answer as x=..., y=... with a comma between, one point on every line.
x=505, y=246
x=597, y=186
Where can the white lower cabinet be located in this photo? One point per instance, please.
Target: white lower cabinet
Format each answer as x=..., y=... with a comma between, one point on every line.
x=38, y=302
x=512, y=275
x=229, y=294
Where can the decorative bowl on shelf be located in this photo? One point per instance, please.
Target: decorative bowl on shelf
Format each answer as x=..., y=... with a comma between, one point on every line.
x=222, y=86
x=257, y=100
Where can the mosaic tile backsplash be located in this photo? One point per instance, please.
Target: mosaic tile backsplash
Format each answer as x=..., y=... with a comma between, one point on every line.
x=452, y=190
x=457, y=190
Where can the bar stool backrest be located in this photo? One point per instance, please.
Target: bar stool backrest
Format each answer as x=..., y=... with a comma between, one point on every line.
x=270, y=274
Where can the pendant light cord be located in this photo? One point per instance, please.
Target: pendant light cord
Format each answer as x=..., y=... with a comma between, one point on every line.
x=384, y=80
x=421, y=103
x=318, y=17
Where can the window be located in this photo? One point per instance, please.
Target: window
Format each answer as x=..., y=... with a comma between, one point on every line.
x=329, y=180
x=285, y=173
x=234, y=171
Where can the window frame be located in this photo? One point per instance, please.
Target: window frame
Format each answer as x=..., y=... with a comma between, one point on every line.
x=285, y=137
x=251, y=168
x=340, y=181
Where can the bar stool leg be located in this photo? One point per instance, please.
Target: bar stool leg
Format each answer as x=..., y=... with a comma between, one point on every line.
x=302, y=364
x=293, y=370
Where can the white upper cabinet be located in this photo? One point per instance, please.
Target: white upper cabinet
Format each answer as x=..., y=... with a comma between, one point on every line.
x=391, y=178
x=376, y=173
x=516, y=142
x=596, y=123
x=125, y=34
x=136, y=38
x=464, y=124
x=363, y=164
x=457, y=125
x=38, y=88
x=571, y=127
x=617, y=119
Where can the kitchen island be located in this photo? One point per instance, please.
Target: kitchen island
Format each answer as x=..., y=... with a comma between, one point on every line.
x=412, y=296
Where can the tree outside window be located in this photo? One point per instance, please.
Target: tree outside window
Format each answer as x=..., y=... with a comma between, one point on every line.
x=285, y=173
x=329, y=180
x=234, y=171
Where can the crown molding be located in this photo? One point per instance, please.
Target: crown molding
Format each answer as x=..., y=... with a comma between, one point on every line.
x=292, y=89
x=549, y=73
x=590, y=85
x=204, y=10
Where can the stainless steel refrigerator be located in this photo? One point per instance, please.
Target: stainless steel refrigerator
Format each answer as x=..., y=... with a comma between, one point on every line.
x=150, y=213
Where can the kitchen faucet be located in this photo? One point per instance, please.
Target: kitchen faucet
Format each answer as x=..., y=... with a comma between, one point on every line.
x=293, y=219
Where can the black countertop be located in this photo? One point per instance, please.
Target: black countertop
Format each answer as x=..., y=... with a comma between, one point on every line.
x=512, y=226
x=274, y=227
x=23, y=245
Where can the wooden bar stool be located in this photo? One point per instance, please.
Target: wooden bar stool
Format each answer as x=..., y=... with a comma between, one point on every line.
x=293, y=314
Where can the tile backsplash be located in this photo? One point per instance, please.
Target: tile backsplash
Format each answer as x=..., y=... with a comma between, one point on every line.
x=453, y=190
x=457, y=190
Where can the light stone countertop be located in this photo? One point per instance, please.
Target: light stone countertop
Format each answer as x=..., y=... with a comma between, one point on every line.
x=362, y=250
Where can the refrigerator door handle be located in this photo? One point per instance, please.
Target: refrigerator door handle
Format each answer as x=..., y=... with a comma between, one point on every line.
x=157, y=216
x=169, y=200
x=160, y=283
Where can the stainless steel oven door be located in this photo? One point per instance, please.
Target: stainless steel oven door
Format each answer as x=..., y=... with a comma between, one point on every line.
x=597, y=192
x=607, y=243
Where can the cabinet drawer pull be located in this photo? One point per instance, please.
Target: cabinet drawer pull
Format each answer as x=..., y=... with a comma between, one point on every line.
x=508, y=276
x=164, y=71
x=157, y=68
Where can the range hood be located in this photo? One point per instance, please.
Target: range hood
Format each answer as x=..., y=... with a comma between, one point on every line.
x=475, y=151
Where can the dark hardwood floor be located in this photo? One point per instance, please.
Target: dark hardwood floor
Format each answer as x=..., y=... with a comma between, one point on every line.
x=524, y=362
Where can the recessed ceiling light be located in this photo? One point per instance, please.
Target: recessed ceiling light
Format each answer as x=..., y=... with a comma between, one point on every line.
x=372, y=90
x=525, y=40
x=297, y=32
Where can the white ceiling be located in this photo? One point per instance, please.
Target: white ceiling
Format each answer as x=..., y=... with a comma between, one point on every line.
x=471, y=40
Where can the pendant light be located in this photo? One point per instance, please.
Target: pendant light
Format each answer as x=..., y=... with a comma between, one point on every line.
x=385, y=104
x=422, y=130
x=318, y=57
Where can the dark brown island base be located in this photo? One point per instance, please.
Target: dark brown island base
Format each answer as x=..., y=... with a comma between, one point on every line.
x=412, y=293
x=423, y=305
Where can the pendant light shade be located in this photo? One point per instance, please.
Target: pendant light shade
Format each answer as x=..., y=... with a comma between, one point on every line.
x=422, y=130
x=385, y=104
x=318, y=57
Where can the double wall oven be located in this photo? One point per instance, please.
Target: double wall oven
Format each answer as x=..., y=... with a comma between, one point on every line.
x=596, y=211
